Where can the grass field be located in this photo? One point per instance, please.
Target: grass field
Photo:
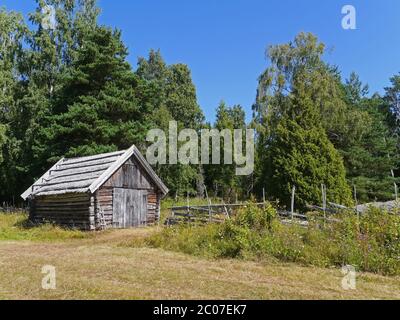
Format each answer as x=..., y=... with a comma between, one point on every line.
x=107, y=265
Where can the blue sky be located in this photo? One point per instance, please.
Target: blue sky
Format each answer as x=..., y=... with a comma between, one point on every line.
x=224, y=41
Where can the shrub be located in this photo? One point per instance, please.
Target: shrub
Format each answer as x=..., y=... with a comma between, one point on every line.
x=256, y=218
x=369, y=243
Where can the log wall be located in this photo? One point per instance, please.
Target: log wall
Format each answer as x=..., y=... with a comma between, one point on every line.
x=68, y=210
x=153, y=207
x=104, y=201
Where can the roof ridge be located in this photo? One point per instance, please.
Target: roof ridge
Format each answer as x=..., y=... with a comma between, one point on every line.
x=96, y=155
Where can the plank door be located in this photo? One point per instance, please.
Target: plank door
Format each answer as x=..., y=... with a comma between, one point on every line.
x=118, y=208
x=130, y=208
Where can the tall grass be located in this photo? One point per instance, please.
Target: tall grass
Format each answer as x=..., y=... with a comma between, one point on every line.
x=15, y=227
x=369, y=243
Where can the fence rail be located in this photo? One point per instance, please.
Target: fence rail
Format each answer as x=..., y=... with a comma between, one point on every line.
x=218, y=213
x=10, y=209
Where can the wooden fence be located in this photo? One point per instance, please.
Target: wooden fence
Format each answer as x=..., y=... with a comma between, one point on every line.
x=217, y=213
x=202, y=214
x=6, y=208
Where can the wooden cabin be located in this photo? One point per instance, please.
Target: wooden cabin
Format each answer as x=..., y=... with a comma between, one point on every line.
x=112, y=190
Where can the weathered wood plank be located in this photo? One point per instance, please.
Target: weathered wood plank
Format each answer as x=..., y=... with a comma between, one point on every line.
x=63, y=205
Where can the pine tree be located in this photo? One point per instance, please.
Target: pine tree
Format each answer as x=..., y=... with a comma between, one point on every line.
x=47, y=54
x=371, y=155
x=176, y=90
x=222, y=178
x=99, y=107
x=392, y=112
x=174, y=100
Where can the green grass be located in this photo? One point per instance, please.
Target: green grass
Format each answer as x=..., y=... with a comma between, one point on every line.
x=14, y=227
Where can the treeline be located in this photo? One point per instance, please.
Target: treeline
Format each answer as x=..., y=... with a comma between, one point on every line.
x=68, y=90
x=317, y=129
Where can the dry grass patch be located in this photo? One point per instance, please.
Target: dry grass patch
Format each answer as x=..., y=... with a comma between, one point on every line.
x=117, y=264
x=100, y=268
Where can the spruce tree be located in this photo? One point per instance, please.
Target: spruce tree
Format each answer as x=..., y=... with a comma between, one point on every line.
x=293, y=146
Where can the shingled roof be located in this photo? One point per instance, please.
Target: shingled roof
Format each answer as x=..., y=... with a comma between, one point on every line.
x=87, y=174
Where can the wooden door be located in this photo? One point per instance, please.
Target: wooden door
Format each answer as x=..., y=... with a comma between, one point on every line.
x=130, y=208
x=118, y=208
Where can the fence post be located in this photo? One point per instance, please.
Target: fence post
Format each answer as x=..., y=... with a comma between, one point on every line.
x=188, y=206
x=209, y=204
x=264, y=198
x=356, y=202
x=226, y=210
x=355, y=196
x=323, y=189
x=292, y=204
x=395, y=184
